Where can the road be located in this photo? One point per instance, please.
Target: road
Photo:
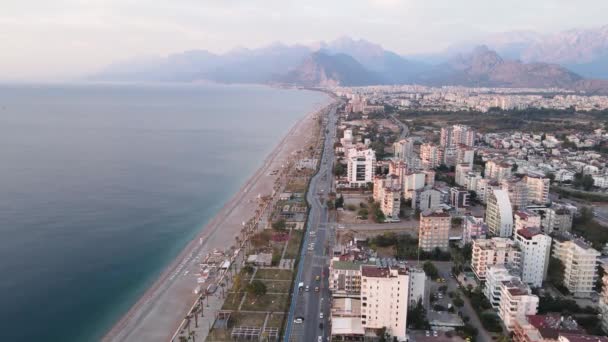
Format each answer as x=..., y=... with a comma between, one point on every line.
x=445, y=269
x=405, y=131
x=315, y=261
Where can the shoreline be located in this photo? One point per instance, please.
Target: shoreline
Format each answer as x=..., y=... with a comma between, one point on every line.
x=131, y=321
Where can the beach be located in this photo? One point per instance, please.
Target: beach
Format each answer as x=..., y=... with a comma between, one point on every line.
x=160, y=311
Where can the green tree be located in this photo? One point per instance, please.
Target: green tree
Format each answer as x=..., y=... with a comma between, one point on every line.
x=256, y=288
x=555, y=273
x=279, y=225
x=339, y=170
x=340, y=202
x=430, y=269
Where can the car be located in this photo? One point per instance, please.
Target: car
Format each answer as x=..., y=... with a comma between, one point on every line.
x=427, y=333
x=317, y=278
x=435, y=333
x=298, y=320
x=316, y=289
x=307, y=288
x=320, y=339
x=321, y=325
x=320, y=315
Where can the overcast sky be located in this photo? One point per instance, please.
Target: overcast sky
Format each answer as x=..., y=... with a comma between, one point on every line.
x=55, y=38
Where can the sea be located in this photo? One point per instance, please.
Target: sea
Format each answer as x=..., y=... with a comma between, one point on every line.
x=102, y=185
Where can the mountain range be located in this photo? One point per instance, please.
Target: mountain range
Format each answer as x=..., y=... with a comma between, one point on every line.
x=513, y=59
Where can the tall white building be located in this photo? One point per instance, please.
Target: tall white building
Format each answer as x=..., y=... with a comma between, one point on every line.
x=580, y=262
x=434, y=231
x=417, y=289
x=457, y=134
x=384, y=300
x=361, y=167
x=462, y=170
x=404, y=149
x=516, y=301
x=494, y=251
x=499, y=214
x=495, y=276
x=535, y=250
x=428, y=199
x=431, y=155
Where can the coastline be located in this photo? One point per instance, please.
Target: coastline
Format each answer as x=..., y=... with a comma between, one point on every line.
x=145, y=320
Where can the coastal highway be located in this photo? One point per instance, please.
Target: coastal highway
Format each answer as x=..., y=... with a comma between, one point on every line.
x=314, y=259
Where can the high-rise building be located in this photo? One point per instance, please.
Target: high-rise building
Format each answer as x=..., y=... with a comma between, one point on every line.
x=431, y=156
x=494, y=251
x=497, y=170
x=459, y=198
x=495, y=276
x=603, y=303
x=499, y=215
x=538, y=188
x=457, y=134
x=361, y=167
x=465, y=155
x=526, y=218
x=404, y=149
x=516, y=301
x=384, y=300
x=434, y=231
x=535, y=250
x=398, y=168
x=580, y=262
x=462, y=170
x=417, y=285
x=427, y=199
x=517, y=190
x=473, y=228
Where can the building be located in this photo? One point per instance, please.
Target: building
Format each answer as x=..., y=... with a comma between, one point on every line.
x=434, y=231
x=603, y=303
x=499, y=214
x=428, y=199
x=535, y=249
x=431, y=156
x=497, y=170
x=516, y=301
x=538, y=188
x=413, y=181
x=404, y=149
x=549, y=328
x=345, y=278
x=417, y=289
x=484, y=188
x=517, y=190
x=526, y=218
x=387, y=192
x=465, y=155
x=495, y=276
x=398, y=168
x=384, y=300
x=459, y=198
x=580, y=262
x=474, y=228
x=555, y=219
x=361, y=167
x=457, y=134
x=494, y=251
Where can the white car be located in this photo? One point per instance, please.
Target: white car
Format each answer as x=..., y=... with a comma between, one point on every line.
x=321, y=315
x=298, y=320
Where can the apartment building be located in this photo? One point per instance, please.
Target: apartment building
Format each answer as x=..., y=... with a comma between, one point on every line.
x=398, y=168
x=495, y=276
x=345, y=278
x=434, y=231
x=494, y=251
x=462, y=170
x=580, y=263
x=361, y=167
x=497, y=170
x=517, y=190
x=473, y=228
x=431, y=155
x=516, y=301
x=499, y=214
x=384, y=300
x=387, y=192
x=535, y=250
x=404, y=149
x=417, y=289
x=538, y=188
x=603, y=303
x=428, y=199
x=526, y=218
x=457, y=134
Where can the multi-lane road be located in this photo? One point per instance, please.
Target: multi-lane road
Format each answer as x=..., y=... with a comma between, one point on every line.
x=308, y=303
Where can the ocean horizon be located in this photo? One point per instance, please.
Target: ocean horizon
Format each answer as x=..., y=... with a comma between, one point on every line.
x=104, y=184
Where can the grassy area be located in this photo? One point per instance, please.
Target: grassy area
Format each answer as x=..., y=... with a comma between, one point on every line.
x=275, y=320
x=273, y=274
x=293, y=246
x=237, y=319
x=296, y=185
x=579, y=194
x=233, y=299
x=278, y=286
x=267, y=302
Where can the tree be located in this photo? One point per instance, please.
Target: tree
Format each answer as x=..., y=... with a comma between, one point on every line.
x=256, y=288
x=363, y=213
x=279, y=225
x=555, y=273
x=340, y=202
x=585, y=215
x=416, y=316
x=339, y=170
x=458, y=302
x=430, y=270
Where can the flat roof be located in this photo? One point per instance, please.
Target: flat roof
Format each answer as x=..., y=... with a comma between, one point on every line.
x=346, y=326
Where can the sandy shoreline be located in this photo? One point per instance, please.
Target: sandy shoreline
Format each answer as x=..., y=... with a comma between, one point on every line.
x=159, y=311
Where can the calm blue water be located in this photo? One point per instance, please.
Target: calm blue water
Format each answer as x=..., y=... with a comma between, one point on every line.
x=102, y=185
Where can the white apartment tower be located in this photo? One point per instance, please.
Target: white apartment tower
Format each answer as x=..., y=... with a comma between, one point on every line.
x=384, y=300
x=499, y=215
x=538, y=188
x=457, y=134
x=431, y=155
x=361, y=167
x=535, y=249
x=434, y=231
x=404, y=149
x=516, y=301
x=497, y=170
x=580, y=263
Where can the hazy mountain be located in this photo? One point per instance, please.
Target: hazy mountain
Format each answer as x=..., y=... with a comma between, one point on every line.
x=484, y=67
x=584, y=51
x=324, y=69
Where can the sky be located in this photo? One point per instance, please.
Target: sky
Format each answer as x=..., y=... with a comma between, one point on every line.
x=41, y=39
